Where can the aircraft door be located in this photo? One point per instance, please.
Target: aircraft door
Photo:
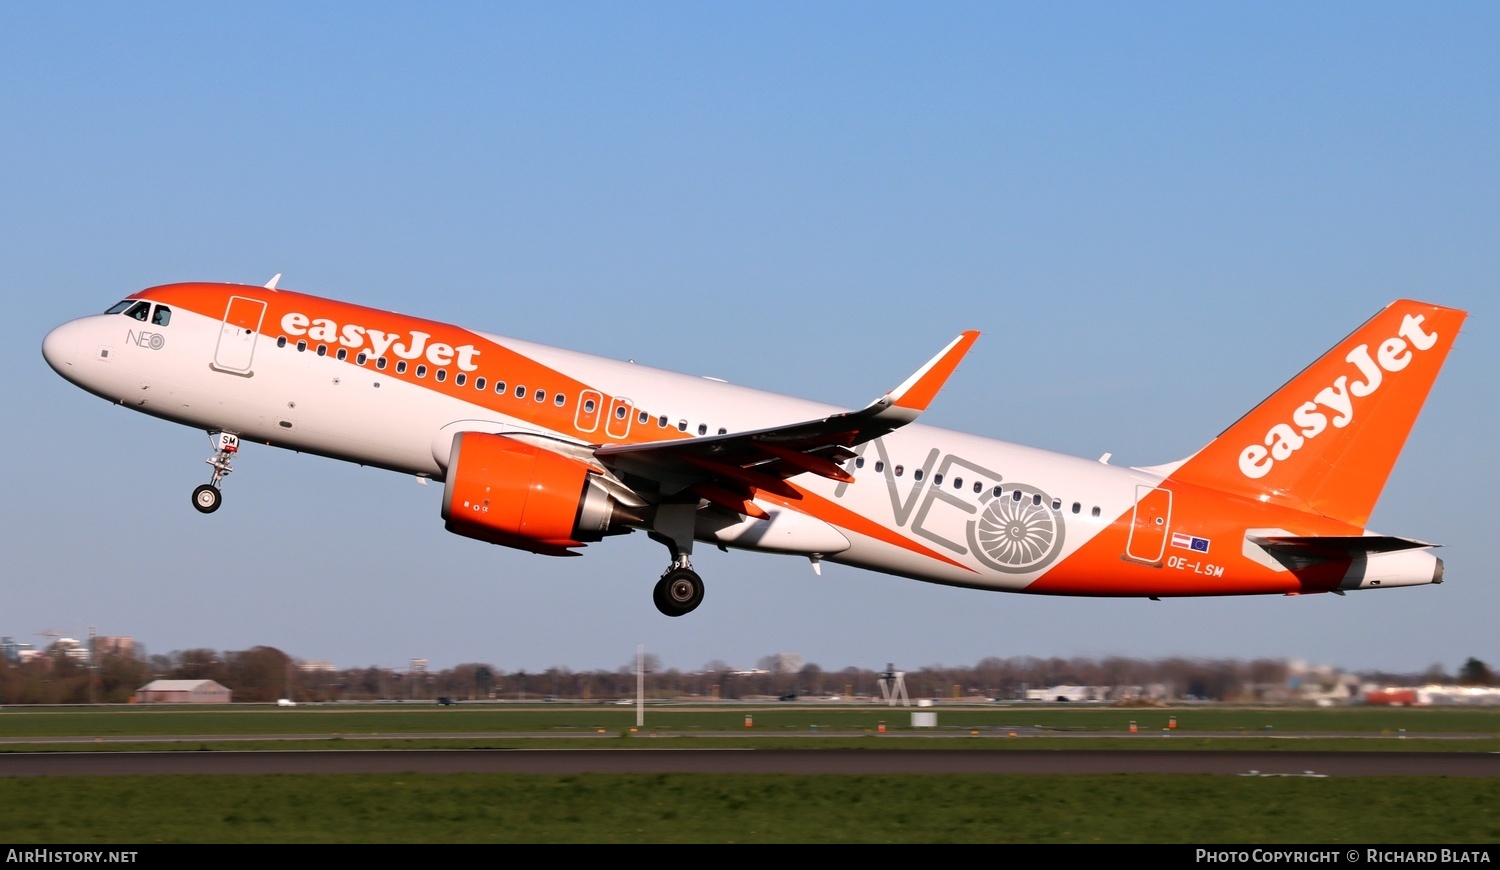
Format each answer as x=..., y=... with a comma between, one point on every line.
x=237, y=335
x=620, y=412
x=590, y=403
x=1148, y=527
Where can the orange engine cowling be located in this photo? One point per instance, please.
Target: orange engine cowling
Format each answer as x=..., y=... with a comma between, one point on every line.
x=509, y=492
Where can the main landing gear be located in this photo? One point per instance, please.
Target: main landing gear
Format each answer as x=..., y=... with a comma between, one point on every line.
x=207, y=497
x=680, y=589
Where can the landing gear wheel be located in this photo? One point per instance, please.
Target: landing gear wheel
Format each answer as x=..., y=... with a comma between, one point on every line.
x=207, y=499
x=678, y=592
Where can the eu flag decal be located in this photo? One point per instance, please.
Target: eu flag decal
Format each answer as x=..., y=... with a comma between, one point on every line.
x=1189, y=542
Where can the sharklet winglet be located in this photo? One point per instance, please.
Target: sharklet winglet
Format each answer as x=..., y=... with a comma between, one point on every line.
x=918, y=391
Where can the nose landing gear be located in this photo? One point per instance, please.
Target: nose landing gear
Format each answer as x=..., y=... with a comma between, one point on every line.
x=207, y=498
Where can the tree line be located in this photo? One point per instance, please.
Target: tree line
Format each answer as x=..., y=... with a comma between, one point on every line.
x=263, y=674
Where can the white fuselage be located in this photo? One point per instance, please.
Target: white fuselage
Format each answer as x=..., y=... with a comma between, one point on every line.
x=384, y=389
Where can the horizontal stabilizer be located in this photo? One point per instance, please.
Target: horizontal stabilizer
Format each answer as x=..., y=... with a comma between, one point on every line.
x=1335, y=546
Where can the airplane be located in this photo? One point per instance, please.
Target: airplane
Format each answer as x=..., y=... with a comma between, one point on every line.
x=548, y=450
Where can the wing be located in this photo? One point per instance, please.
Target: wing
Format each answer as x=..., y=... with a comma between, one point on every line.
x=728, y=469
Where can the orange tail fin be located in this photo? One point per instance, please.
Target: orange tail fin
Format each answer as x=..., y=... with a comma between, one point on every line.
x=1326, y=441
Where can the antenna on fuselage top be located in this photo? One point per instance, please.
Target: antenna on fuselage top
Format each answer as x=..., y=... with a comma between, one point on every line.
x=271, y=284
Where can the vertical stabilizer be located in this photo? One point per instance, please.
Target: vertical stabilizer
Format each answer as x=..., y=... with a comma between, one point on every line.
x=1326, y=441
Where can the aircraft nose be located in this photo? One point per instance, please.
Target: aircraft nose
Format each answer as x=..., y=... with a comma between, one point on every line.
x=59, y=348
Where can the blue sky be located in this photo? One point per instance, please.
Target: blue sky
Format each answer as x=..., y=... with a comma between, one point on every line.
x=1156, y=213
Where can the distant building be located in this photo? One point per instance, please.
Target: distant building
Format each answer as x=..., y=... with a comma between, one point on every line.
x=182, y=692
x=1432, y=696
x=69, y=647
x=15, y=651
x=313, y=666
x=114, y=645
x=788, y=663
x=1069, y=693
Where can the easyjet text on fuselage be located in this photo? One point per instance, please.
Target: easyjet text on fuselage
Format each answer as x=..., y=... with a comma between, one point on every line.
x=408, y=346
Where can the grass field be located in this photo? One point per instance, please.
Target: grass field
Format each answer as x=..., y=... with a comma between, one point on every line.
x=497, y=808
x=422, y=808
x=339, y=720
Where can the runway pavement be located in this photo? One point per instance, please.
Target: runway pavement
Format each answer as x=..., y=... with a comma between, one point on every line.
x=729, y=761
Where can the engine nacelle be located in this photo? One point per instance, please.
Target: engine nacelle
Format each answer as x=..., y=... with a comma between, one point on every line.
x=512, y=493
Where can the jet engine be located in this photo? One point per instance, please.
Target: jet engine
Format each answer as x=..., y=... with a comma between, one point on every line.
x=515, y=494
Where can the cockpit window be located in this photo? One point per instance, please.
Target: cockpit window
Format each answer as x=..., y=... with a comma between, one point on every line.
x=120, y=306
x=162, y=316
x=139, y=311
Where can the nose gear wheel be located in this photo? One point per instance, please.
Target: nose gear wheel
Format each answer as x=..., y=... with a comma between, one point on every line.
x=207, y=499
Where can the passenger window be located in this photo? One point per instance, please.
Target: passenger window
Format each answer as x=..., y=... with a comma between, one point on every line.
x=900, y=469
x=361, y=358
x=1015, y=494
x=997, y=491
x=421, y=371
x=879, y=466
x=702, y=428
x=958, y=483
x=301, y=344
x=343, y=354
x=1077, y=507
x=500, y=386
x=400, y=366
x=380, y=363
x=1056, y=503
x=540, y=396
x=937, y=480
x=1036, y=499
x=520, y=392
x=681, y=425
x=723, y=431
x=162, y=316
x=661, y=422
x=588, y=406
x=859, y=462
x=478, y=383
x=459, y=379
x=281, y=341
x=916, y=475
x=978, y=487
x=644, y=417
x=620, y=412
x=139, y=311
x=441, y=375
x=1096, y=510
x=559, y=400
